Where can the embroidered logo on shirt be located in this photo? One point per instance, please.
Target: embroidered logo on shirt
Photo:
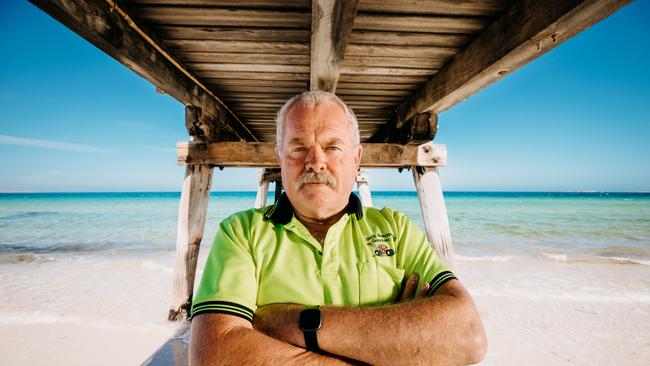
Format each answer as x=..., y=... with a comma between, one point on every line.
x=380, y=243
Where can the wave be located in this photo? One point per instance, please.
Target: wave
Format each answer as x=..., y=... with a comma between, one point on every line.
x=594, y=259
x=494, y=258
x=557, y=257
x=27, y=215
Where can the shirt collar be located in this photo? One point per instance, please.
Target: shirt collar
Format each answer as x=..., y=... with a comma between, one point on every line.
x=282, y=211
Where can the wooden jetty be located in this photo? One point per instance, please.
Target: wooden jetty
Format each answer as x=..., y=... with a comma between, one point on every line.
x=398, y=64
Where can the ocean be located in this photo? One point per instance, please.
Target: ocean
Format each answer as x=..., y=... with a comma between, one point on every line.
x=558, y=278
x=486, y=226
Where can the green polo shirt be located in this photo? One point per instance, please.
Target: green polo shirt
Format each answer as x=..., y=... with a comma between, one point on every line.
x=265, y=256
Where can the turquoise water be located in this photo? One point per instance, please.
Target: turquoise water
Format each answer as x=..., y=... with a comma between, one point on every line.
x=484, y=225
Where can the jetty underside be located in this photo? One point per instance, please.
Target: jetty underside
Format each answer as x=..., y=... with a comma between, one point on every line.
x=398, y=64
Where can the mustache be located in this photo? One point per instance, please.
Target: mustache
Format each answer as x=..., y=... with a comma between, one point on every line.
x=313, y=177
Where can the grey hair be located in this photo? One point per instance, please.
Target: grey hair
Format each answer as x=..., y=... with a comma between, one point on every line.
x=313, y=98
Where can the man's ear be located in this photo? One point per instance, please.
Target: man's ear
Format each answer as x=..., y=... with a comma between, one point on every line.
x=357, y=157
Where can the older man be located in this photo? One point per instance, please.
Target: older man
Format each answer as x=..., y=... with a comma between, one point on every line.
x=317, y=278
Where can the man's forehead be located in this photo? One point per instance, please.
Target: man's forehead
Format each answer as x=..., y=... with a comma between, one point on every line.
x=330, y=122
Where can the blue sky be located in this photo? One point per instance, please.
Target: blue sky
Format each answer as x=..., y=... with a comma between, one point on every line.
x=577, y=118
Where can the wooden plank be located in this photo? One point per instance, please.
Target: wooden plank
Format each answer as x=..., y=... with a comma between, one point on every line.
x=241, y=58
x=197, y=45
x=261, y=83
x=444, y=7
x=423, y=24
x=249, y=67
x=219, y=17
x=192, y=213
x=107, y=29
x=434, y=212
x=356, y=49
x=398, y=71
x=255, y=75
x=262, y=154
x=348, y=85
x=526, y=31
x=331, y=25
x=174, y=352
x=393, y=61
x=382, y=79
x=256, y=4
x=410, y=38
x=233, y=34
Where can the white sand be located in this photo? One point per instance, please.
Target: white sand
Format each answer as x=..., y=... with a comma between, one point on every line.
x=112, y=310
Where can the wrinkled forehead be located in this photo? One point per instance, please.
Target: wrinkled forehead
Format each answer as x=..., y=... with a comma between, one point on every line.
x=327, y=120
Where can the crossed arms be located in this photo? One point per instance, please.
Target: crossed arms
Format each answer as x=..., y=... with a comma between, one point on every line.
x=444, y=329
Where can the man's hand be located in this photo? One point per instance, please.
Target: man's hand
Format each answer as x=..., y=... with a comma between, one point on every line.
x=410, y=289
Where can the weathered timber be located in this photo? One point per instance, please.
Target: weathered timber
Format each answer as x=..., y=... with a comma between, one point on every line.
x=262, y=191
x=434, y=212
x=98, y=22
x=241, y=58
x=252, y=67
x=233, y=34
x=219, y=17
x=255, y=4
x=373, y=50
x=331, y=25
x=198, y=45
x=445, y=7
x=364, y=189
x=418, y=130
x=526, y=30
x=422, y=23
x=192, y=213
x=262, y=154
x=401, y=62
x=409, y=38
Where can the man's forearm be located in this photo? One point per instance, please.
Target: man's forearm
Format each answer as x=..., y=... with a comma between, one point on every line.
x=443, y=329
x=213, y=344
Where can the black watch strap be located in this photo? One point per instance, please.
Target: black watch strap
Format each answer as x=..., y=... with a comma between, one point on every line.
x=311, y=341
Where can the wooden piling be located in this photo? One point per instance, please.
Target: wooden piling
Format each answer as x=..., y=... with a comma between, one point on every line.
x=364, y=189
x=192, y=213
x=262, y=191
x=434, y=212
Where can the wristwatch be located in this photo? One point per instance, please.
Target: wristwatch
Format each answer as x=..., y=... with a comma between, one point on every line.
x=310, y=322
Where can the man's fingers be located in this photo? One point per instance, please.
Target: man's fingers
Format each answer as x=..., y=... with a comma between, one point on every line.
x=423, y=291
x=410, y=287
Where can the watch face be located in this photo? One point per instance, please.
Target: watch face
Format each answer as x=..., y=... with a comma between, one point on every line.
x=310, y=319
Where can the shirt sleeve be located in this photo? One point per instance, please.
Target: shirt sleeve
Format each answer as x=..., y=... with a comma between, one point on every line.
x=228, y=284
x=416, y=255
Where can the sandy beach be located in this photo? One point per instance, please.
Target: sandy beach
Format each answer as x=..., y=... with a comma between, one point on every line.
x=111, y=311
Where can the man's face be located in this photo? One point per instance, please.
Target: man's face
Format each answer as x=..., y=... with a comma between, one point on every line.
x=318, y=159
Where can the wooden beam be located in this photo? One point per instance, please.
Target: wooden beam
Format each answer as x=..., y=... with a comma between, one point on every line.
x=192, y=213
x=109, y=28
x=262, y=154
x=525, y=31
x=331, y=25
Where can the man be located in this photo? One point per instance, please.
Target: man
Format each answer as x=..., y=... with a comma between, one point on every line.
x=269, y=269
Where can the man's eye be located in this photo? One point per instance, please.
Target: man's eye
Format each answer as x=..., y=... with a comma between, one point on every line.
x=334, y=148
x=299, y=149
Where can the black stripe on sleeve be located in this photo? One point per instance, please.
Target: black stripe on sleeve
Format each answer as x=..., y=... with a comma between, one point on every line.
x=439, y=280
x=214, y=311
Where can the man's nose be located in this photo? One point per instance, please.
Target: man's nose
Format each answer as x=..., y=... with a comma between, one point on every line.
x=316, y=159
